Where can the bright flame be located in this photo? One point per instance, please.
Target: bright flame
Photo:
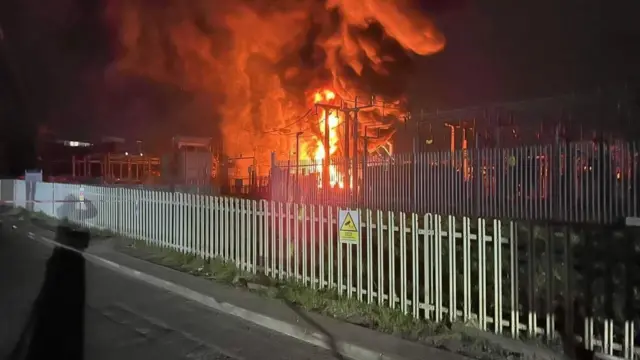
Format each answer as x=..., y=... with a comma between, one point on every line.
x=318, y=155
x=245, y=63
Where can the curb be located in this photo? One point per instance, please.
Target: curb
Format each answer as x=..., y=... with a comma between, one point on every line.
x=348, y=350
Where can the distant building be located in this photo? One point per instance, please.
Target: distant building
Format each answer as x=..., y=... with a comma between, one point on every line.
x=54, y=156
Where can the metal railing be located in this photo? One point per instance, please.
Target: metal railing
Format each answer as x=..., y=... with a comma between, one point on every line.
x=258, y=190
x=504, y=277
x=575, y=182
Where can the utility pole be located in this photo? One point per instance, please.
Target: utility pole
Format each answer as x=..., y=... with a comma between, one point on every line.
x=462, y=126
x=366, y=147
x=350, y=136
x=355, y=144
x=327, y=151
x=297, y=193
x=327, y=140
x=356, y=109
x=346, y=169
x=453, y=135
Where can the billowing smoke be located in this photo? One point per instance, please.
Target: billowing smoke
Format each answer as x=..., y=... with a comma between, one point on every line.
x=261, y=60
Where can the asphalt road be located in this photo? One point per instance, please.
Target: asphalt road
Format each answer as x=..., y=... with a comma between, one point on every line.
x=126, y=319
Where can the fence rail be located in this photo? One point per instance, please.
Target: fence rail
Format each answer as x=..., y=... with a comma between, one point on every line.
x=256, y=189
x=506, y=277
x=575, y=182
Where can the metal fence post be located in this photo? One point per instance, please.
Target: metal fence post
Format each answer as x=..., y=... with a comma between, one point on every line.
x=477, y=179
x=53, y=199
x=414, y=180
x=271, y=173
x=119, y=210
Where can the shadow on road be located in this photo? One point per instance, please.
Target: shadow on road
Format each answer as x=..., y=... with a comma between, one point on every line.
x=55, y=327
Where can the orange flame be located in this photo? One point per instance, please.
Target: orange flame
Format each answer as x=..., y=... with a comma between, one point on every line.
x=315, y=149
x=241, y=59
x=335, y=178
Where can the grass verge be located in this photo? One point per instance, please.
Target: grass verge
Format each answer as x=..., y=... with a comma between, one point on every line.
x=444, y=335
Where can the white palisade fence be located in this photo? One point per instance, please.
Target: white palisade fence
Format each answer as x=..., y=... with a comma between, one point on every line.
x=505, y=277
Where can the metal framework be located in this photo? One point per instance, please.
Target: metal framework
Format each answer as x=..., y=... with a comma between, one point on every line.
x=606, y=114
x=579, y=182
x=125, y=167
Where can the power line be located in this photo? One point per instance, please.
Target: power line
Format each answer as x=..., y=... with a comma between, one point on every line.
x=279, y=130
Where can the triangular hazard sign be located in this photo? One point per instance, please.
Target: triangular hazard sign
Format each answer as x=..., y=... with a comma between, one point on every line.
x=348, y=224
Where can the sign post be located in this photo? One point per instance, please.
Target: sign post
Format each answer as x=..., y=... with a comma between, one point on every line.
x=81, y=199
x=349, y=226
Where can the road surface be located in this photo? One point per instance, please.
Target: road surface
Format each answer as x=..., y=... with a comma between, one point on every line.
x=127, y=319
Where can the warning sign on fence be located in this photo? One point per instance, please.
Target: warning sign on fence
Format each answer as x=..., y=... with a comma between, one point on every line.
x=81, y=198
x=349, y=226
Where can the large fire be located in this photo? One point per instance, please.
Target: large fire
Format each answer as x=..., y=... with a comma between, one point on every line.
x=336, y=178
x=257, y=60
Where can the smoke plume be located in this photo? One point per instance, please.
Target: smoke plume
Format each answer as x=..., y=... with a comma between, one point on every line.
x=263, y=60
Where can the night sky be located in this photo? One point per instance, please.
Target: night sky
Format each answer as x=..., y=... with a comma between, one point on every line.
x=512, y=50
x=60, y=52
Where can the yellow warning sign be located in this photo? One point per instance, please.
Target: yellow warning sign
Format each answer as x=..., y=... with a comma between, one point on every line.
x=349, y=229
x=348, y=224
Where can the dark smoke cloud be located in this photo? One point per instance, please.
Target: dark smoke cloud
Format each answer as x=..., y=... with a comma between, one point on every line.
x=266, y=59
x=62, y=54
